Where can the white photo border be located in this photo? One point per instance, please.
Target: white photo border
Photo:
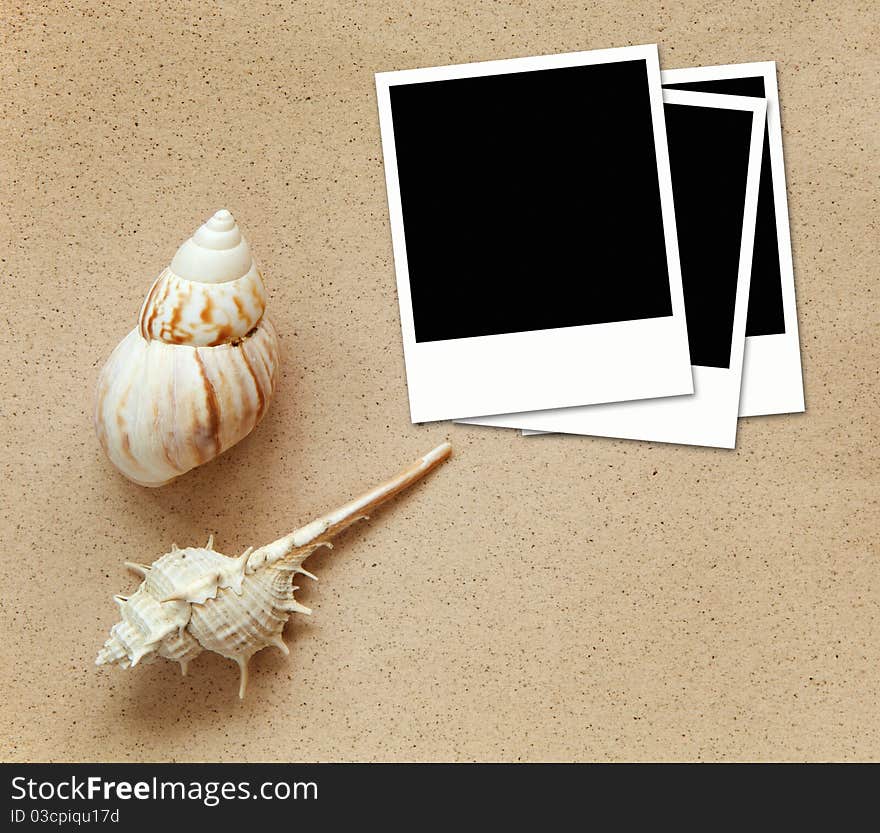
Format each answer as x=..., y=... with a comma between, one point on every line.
x=542, y=368
x=772, y=374
x=709, y=417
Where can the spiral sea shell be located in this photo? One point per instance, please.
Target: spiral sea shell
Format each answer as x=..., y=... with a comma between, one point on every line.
x=197, y=373
x=195, y=599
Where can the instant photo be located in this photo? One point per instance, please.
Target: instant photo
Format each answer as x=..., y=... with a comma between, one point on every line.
x=547, y=174
x=766, y=315
x=715, y=145
x=772, y=379
x=496, y=179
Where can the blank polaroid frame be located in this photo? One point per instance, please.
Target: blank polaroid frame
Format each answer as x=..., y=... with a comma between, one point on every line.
x=548, y=170
x=772, y=378
x=715, y=148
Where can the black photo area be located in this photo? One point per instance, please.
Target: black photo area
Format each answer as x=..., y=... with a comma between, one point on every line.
x=709, y=160
x=530, y=201
x=766, y=316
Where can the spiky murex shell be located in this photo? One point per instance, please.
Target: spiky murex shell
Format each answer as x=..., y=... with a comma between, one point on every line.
x=196, y=599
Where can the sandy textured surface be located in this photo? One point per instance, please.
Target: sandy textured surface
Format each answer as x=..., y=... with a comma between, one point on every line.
x=551, y=598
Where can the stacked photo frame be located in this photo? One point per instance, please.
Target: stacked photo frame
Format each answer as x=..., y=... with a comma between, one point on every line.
x=586, y=244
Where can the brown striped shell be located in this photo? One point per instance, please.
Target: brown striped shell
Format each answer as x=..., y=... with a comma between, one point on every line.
x=179, y=311
x=198, y=372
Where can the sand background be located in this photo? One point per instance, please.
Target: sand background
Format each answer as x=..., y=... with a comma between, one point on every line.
x=543, y=599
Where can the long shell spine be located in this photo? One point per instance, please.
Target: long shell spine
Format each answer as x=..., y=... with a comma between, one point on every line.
x=196, y=599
